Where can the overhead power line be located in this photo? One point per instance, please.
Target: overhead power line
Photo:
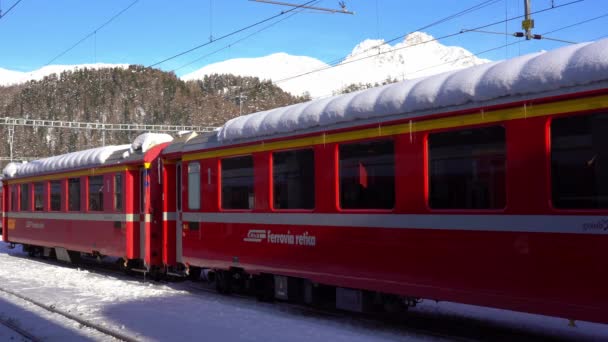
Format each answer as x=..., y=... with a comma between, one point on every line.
x=229, y=34
x=236, y=41
x=330, y=10
x=421, y=43
x=2, y=15
x=92, y=32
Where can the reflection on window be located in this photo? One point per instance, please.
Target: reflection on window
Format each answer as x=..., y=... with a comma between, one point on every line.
x=194, y=186
x=96, y=193
x=293, y=178
x=118, y=192
x=467, y=169
x=579, y=161
x=237, y=183
x=38, y=196
x=367, y=175
x=74, y=194
x=56, y=195
x=25, y=197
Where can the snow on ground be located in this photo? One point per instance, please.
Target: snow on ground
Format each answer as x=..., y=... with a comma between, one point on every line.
x=157, y=312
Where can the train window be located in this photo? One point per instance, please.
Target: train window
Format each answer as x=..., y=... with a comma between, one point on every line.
x=237, y=183
x=25, y=197
x=96, y=193
x=467, y=169
x=55, y=195
x=367, y=175
x=13, y=197
x=293, y=179
x=118, y=192
x=38, y=196
x=194, y=186
x=579, y=162
x=74, y=194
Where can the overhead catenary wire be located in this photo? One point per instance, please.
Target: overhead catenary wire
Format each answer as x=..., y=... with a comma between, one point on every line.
x=2, y=15
x=92, y=33
x=229, y=34
x=237, y=41
x=421, y=43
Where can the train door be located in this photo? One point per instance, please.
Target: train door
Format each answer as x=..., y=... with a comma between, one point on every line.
x=143, y=215
x=178, y=212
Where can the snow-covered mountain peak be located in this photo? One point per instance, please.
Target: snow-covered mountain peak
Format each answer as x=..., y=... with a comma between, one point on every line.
x=418, y=38
x=368, y=46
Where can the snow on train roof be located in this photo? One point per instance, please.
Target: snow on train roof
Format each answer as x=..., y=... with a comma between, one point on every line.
x=574, y=65
x=87, y=158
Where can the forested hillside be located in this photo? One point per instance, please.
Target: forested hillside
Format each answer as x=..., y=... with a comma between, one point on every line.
x=126, y=95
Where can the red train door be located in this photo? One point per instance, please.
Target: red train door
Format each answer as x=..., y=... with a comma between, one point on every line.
x=143, y=217
x=178, y=213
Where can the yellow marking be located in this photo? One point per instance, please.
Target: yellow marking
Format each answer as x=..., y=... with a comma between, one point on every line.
x=11, y=224
x=147, y=165
x=481, y=117
x=87, y=172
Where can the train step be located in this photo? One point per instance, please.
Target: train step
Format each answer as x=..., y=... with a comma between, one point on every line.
x=175, y=274
x=140, y=270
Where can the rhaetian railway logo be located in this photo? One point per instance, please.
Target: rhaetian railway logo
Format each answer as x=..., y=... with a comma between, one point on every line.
x=599, y=225
x=261, y=235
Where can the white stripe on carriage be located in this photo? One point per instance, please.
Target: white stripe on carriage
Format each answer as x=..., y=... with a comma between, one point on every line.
x=75, y=216
x=567, y=224
x=169, y=216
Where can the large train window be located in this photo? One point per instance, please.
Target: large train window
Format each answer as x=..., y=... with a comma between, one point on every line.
x=579, y=162
x=96, y=193
x=467, y=169
x=293, y=179
x=118, y=192
x=55, y=195
x=194, y=186
x=367, y=175
x=237, y=183
x=38, y=196
x=25, y=197
x=74, y=194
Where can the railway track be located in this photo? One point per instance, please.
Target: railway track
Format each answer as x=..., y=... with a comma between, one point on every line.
x=440, y=326
x=53, y=309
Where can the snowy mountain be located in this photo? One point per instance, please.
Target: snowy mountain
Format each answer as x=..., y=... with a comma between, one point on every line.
x=371, y=61
x=9, y=77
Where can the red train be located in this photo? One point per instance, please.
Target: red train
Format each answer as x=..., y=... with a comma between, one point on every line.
x=486, y=186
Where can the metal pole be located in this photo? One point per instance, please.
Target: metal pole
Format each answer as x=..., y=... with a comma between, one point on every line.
x=11, y=139
x=528, y=23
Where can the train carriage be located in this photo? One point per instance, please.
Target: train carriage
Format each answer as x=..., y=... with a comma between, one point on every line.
x=100, y=201
x=484, y=186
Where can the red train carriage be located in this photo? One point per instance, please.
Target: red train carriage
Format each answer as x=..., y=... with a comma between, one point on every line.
x=102, y=201
x=485, y=186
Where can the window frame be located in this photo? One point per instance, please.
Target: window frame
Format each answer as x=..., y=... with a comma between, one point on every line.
x=221, y=185
x=118, y=191
x=41, y=196
x=549, y=168
x=338, y=185
x=50, y=195
x=191, y=193
x=427, y=171
x=28, y=199
x=69, y=195
x=272, y=180
x=91, y=193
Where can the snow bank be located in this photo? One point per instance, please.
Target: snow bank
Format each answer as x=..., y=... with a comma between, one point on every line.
x=574, y=65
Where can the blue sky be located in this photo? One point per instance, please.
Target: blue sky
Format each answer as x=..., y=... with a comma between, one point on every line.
x=36, y=31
